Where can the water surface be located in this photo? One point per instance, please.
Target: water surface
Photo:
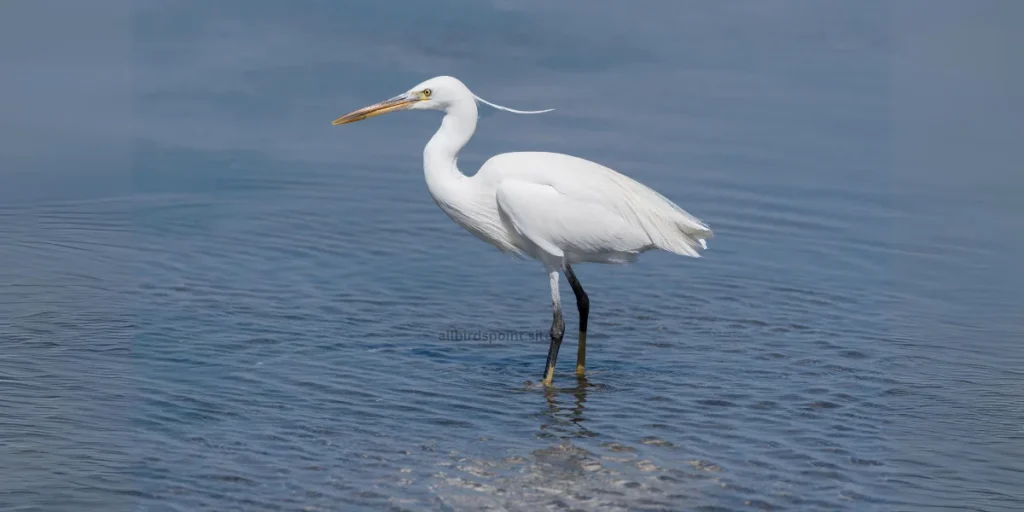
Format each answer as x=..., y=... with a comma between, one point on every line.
x=214, y=300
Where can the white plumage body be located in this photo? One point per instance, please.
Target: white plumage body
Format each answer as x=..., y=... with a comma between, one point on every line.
x=558, y=208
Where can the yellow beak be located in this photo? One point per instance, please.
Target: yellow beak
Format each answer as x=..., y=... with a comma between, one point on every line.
x=400, y=102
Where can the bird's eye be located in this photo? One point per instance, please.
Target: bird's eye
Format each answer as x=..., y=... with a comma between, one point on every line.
x=427, y=92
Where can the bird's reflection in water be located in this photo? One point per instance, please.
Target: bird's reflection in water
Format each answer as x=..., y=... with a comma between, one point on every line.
x=564, y=416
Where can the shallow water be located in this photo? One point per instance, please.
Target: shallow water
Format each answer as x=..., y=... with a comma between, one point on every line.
x=213, y=300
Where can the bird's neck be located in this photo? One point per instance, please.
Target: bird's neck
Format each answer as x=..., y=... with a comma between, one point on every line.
x=442, y=152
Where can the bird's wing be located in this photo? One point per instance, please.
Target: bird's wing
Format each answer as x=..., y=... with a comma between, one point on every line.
x=606, y=196
x=560, y=224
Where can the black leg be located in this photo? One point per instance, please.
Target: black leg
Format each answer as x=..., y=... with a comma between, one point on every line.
x=583, y=306
x=557, y=330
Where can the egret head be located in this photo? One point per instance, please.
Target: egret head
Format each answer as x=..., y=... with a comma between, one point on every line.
x=438, y=93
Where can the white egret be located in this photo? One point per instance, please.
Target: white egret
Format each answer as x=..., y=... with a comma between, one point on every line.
x=555, y=208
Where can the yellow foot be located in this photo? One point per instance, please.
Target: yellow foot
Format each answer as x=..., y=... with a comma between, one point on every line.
x=581, y=354
x=549, y=377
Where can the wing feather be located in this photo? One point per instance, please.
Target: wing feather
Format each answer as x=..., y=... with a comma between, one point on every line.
x=563, y=226
x=572, y=202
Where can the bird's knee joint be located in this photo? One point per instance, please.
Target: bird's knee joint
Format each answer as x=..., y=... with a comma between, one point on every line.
x=583, y=304
x=557, y=329
x=557, y=333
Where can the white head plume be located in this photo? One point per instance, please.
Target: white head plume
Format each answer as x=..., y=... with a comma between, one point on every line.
x=506, y=109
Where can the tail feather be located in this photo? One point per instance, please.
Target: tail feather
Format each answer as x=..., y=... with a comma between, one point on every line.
x=682, y=243
x=673, y=229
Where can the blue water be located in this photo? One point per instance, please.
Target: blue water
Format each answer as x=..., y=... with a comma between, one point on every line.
x=211, y=299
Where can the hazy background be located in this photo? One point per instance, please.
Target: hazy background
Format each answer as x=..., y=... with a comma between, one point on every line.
x=210, y=298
